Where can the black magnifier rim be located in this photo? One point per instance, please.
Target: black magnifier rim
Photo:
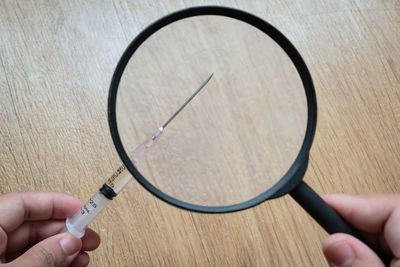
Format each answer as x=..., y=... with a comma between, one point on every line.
x=295, y=173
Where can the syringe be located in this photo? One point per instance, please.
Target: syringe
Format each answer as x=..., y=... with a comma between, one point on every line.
x=78, y=223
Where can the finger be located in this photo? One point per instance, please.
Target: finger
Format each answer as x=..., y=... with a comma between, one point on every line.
x=58, y=250
x=395, y=263
x=32, y=232
x=345, y=250
x=376, y=240
x=392, y=232
x=90, y=241
x=372, y=213
x=367, y=213
x=15, y=208
x=3, y=242
x=81, y=260
x=13, y=255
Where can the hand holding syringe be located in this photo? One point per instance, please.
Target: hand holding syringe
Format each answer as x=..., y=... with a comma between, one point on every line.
x=78, y=223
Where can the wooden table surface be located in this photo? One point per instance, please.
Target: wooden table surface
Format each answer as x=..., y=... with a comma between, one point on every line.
x=57, y=60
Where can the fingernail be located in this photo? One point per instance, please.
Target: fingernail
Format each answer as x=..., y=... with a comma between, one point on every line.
x=69, y=245
x=340, y=254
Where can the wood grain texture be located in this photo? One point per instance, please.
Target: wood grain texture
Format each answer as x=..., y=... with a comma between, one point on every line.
x=57, y=59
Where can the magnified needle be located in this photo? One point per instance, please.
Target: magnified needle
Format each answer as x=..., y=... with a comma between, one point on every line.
x=78, y=223
x=187, y=101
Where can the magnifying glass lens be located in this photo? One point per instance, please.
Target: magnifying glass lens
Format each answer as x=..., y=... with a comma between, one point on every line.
x=238, y=136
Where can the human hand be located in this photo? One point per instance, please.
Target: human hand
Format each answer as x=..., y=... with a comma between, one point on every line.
x=377, y=217
x=29, y=227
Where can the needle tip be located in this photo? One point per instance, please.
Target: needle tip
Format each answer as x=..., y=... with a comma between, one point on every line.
x=208, y=79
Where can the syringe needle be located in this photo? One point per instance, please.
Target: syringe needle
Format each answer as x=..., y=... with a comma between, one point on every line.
x=141, y=151
x=80, y=220
x=187, y=101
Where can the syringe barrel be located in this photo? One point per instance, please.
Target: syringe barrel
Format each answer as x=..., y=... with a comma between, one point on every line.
x=119, y=179
x=77, y=224
x=122, y=176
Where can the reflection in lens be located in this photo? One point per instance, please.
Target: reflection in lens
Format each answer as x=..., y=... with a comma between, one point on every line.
x=239, y=136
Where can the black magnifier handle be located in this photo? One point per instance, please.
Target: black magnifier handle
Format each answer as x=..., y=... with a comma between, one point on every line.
x=327, y=217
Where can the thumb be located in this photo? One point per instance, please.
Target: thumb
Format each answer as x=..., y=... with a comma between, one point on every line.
x=346, y=251
x=58, y=250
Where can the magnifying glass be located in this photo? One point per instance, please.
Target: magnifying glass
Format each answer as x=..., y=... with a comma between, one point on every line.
x=244, y=139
